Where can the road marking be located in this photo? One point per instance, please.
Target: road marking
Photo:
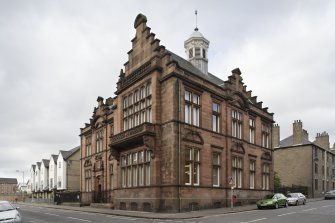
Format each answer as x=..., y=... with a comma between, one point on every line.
x=260, y=219
x=52, y=214
x=79, y=219
x=327, y=206
x=233, y=213
x=309, y=209
x=286, y=214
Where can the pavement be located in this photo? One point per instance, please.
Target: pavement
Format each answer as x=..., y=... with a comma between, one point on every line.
x=154, y=215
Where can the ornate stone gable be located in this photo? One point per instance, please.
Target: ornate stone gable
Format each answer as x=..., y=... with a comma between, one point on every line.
x=238, y=94
x=144, y=46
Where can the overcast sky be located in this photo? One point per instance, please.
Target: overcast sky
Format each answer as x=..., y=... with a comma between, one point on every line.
x=57, y=57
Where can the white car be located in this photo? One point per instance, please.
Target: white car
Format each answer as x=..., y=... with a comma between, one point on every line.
x=296, y=199
x=8, y=213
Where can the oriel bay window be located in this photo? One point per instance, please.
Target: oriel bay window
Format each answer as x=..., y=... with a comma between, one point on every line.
x=216, y=117
x=192, y=108
x=237, y=171
x=192, y=166
x=136, y=169
x=236, y=124
x=266, y=176
x=137, y=107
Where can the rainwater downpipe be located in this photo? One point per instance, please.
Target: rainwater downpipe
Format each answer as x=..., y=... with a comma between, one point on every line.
x=179, y=143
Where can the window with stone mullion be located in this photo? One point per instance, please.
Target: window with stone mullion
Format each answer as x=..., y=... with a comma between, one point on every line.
x=237, y=171
x=137, y=107
x=216, y=117
x=252, y=168
x=216, y=169
x=266, y=176
x=236, y=124
x=192, y=108
x=192, y=166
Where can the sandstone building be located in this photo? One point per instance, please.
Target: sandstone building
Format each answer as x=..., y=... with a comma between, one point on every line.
x=301, y=162
x=175, y=136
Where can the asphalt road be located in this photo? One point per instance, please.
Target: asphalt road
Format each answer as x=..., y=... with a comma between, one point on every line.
x=314, y=212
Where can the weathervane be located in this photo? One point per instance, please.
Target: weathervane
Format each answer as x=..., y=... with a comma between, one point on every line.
x=196, y=21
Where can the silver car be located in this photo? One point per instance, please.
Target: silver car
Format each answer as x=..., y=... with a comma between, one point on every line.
x=296, y=199
x=330, y=194
x=8, y=213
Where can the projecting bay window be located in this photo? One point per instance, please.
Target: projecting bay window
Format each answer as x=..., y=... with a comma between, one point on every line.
x=192, y=166
x=236, y=124
x=237, y=171
x=252, y=130
x=216, y=117
x=136, y=169
x=265, y=135
x=137, y=107
x=88, y=145
x=192, y=108
x=216, y=169
x=99, y=141
x=266, y=176
x=252, y=169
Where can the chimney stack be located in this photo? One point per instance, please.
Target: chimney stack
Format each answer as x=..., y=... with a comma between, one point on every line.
x=297, y=132
x=322, y=139
x=275, y=135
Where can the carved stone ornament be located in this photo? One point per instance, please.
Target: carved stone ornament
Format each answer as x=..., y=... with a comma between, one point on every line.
x=87, y=163
x=114, y=154
x=266, y=156
x=98, y=157
x=194, y=137
x=237, y=147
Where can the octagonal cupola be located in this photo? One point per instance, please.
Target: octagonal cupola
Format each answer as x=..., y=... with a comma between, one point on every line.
x=196, y=48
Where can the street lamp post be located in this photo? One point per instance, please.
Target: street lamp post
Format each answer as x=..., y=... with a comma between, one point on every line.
x=22, y=185
x=18, y=171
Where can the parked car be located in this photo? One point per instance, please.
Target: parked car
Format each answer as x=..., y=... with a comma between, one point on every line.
x=296, y=199
x=9, y=213
x=273, y=201
x=330, y=194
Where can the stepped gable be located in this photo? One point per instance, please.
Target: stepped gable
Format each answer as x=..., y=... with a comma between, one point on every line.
x=144, y=47
x=236, y=89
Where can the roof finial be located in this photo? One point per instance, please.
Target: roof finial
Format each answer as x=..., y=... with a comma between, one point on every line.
x=196, y=21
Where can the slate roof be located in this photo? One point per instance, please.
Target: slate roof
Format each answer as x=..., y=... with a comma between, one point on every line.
x=55, y=157
x=186, y=65
x=38, y=165
x=287, y=142
x=34, y=167
x=8, y=181
x=67, y=154
x=46, y=162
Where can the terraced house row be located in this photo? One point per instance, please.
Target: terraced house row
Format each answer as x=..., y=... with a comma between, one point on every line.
x=60, y=173
x=175, y=137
